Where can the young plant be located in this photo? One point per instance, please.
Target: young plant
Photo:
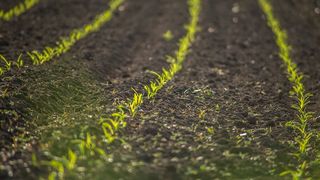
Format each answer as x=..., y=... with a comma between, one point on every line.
x=134, y=104
x=298, y=92
x=65, y=43
x=19, y=63
x=7, y=62
x=168, y=36
x=113, y=123
x=18, y=10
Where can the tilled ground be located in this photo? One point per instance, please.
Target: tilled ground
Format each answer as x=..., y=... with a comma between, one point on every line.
x=221, y=117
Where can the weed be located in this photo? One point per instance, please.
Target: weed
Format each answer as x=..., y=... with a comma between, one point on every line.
x=18, y=10
x=298, y=92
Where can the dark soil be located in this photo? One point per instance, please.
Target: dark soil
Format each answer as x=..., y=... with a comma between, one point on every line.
x=221, y=117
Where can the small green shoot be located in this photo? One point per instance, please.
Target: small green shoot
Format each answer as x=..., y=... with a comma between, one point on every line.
x=217, y=108
x=135, y=102
x=18, y=9
x=168, y=36
x=7, y=62
x=298, y=92
x=210, y=130
x=19, y=63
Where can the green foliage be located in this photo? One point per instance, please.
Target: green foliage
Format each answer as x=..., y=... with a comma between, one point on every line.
x=111, y=124
x=210, y=130
x=67, y=42
x=7, y=64
x=298, y=92
x=17, y=10
x=19, y=63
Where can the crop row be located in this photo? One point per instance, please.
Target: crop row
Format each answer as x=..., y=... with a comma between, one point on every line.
x=303, y=133
x=61, y=47
x=17, y=10
x=112, y=123
x=65, y=43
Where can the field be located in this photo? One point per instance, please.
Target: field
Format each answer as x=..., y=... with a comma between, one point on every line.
x=159, y=89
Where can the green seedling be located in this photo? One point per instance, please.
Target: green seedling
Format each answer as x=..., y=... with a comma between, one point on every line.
x=111, y=125
x=7, y=62
x=71, y=161
x=210, y=130
x=134, y=104
x=18, y=10
x=168, y=36
x=152, y=89
x=108, y=132
x=19, y=63
x=59, y=169
x=298, y=92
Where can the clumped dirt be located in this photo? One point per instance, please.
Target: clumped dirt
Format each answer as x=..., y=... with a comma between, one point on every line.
x=221, y=117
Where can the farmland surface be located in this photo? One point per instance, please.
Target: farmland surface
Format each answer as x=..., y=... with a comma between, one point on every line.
x=221, y=111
